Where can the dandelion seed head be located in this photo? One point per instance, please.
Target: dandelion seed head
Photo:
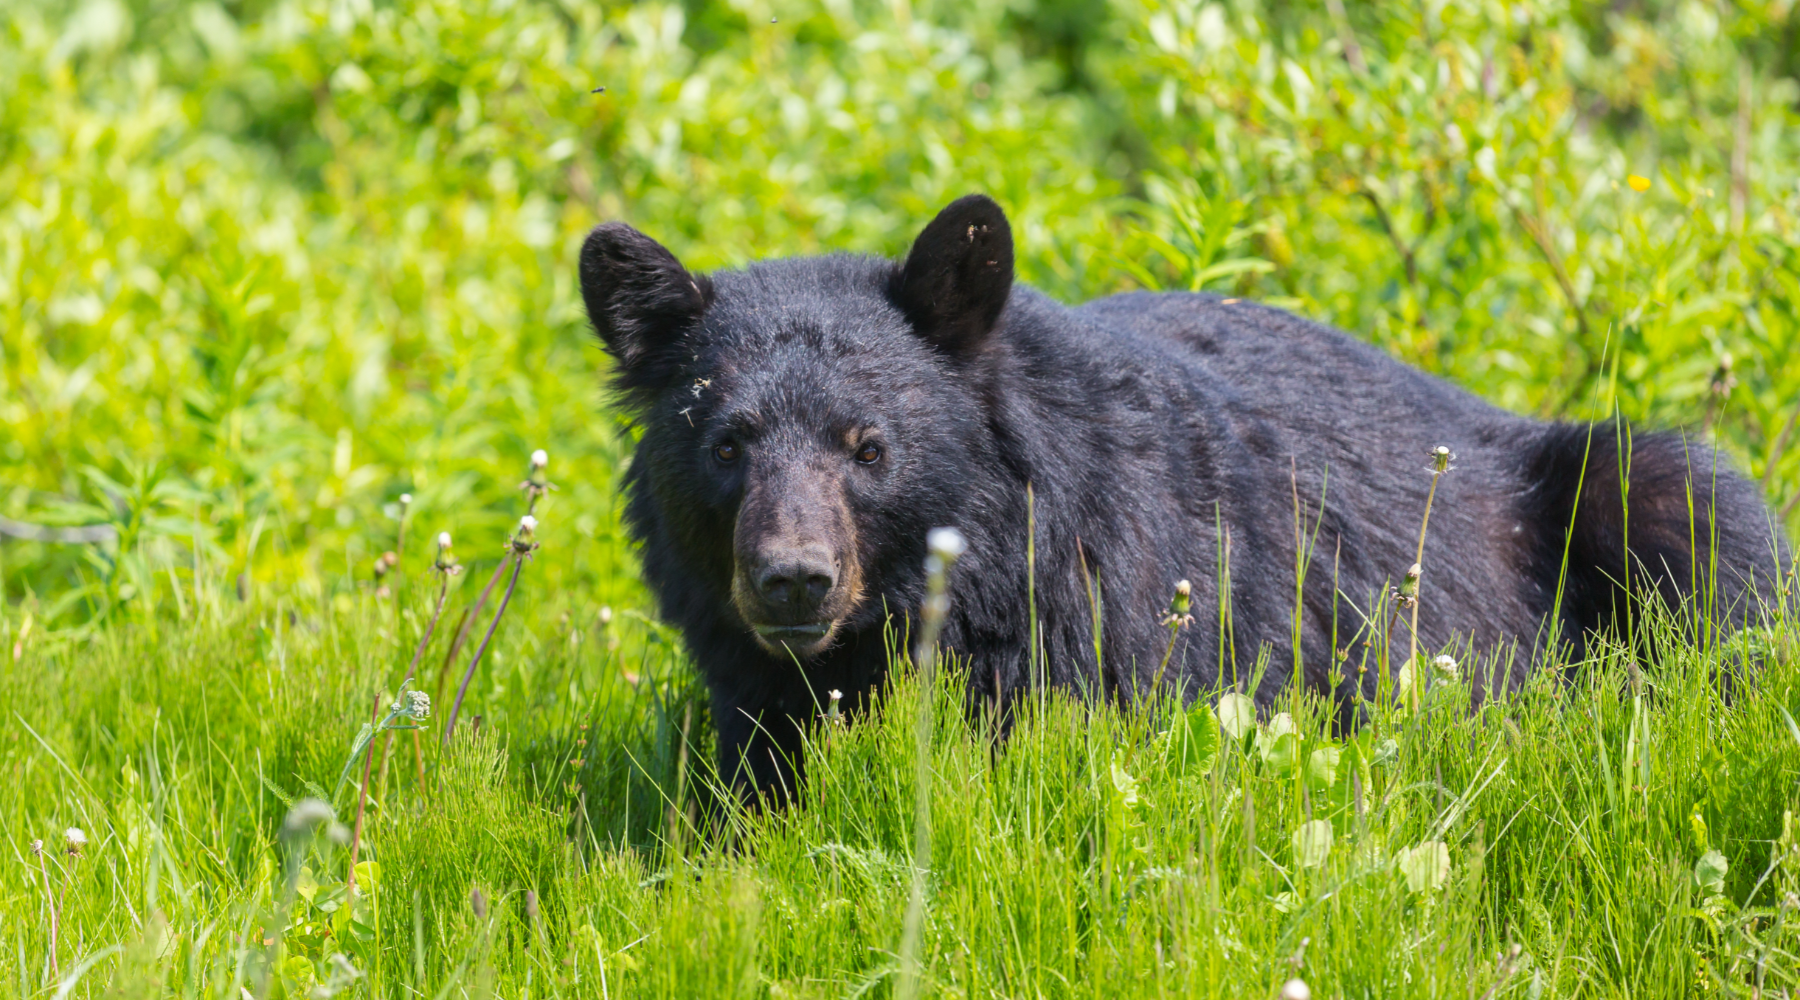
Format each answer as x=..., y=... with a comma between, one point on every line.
x=74, y=839
x=528, y=523
x=946, y=543
x=1445, y=666
x=443, y=539
x=304, y=817
x=405, y=499
x=540, y=459
x=1296, y=989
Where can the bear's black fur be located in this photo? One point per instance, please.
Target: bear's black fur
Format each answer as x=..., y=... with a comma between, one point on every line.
x=807, y=421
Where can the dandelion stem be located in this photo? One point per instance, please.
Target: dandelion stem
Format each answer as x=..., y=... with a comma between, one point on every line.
x=361, y=800
x=945, y=545
x=462, y=634
x=1440, y=465
x=418, y=653
x=462, y=622
x=518, y=561
x=50, y=902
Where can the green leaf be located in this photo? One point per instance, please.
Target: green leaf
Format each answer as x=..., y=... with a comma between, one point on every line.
x=1312, y=843
x=1195, y=740
x=1425, y=867
x=305, y=885
x=1322, y=765
x=1281, y=752
x=1237, y=715
x=1124, y=785
x=1710, y=871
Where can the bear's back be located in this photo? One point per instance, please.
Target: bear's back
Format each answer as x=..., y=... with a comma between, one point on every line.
x=1307, y=373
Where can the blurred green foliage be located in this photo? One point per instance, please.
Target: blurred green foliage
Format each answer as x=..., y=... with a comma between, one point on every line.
x=265, y=266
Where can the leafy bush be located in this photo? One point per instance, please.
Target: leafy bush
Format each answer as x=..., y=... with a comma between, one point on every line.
x=268, y=265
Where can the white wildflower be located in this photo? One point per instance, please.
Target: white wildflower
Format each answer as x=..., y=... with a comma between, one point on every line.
x=946, y=543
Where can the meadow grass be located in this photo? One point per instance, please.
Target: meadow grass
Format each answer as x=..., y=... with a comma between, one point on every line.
x=1627, y=833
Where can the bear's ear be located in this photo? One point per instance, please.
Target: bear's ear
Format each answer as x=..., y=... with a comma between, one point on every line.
x=958, y=275
x=640, y=300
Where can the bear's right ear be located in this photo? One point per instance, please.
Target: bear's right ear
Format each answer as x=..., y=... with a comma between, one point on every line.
x=640, y=300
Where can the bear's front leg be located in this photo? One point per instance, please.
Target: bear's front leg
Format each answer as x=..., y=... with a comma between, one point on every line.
x=761, y=746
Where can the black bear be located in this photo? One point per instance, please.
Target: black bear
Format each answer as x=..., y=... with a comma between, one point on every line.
x=806, y=421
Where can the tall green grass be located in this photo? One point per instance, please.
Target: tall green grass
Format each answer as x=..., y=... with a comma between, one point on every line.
x=1552, y=842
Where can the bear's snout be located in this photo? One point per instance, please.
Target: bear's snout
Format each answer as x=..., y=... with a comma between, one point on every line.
x=792, y=583
x=796, y=576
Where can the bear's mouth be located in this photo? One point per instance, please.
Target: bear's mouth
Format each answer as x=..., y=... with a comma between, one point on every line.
x=801, y=640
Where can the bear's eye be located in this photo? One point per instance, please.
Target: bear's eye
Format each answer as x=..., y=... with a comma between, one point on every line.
x=868, y=454
x=726, y=451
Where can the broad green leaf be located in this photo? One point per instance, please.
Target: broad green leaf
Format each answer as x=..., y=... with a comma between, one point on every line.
x=1237, y=714
x=1322, y=765
x=1195, y=740
x=1312, y=843
x=1281, y=752
x=1124, y=784
x=1710, y=871
x=1426, y=866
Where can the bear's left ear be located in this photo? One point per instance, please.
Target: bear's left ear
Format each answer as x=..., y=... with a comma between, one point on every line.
x=640, y=300
x=958, y=275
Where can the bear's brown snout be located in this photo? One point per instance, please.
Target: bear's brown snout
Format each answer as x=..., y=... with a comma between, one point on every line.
x=796, y=574
x=791, y=584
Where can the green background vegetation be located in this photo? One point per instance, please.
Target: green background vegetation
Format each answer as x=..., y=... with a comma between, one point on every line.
x=265, y=266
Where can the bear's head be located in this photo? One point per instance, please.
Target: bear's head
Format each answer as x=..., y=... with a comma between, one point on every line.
x=805, y=421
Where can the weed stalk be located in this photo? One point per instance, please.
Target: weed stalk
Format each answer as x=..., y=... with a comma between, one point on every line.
x=362, y=801
x=37, y=848
x=522, y=545
x=445, y=566
x=945, y=546
x=1409, y=591
x=536, y=485
x=1176, y=620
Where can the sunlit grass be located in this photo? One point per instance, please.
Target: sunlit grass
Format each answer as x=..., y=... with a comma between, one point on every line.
x=1629, y=834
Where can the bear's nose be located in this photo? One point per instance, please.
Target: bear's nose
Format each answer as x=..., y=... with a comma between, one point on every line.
x=793, y=584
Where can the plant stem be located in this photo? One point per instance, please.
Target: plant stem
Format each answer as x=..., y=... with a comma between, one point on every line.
x=50, y=901
x=462, y=634
x=437, y=692
x=518, y=561
x=362, y=800
x=925, y=654
x=418, y=653
x=1167, y=653
x=1412, y=653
